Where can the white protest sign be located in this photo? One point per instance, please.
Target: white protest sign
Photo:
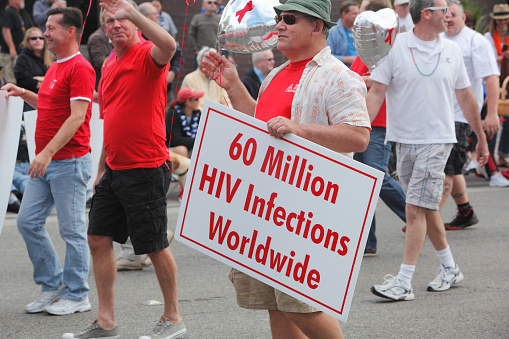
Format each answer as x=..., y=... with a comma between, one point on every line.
x=96, y=138
x=11, y=110
x=288, y=212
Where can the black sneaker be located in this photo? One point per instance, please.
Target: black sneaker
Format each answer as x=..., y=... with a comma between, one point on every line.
x=369, y=252
x=464, y=218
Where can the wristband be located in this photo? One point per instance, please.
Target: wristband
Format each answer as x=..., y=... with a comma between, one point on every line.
x=12, y=49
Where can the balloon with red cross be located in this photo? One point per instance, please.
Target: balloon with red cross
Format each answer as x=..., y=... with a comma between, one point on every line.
x=374, y=34
x=248, y=26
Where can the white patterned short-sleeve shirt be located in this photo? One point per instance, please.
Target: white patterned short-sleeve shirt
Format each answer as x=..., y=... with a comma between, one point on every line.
x=328, y=93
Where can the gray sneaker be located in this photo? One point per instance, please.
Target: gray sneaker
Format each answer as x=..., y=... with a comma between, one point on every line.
x=166, y=330
x=44, y=300
x=65, y=306
x=94, y=331
x=445, y=278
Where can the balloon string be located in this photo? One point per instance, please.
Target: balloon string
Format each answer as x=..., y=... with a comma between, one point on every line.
x=188, y=3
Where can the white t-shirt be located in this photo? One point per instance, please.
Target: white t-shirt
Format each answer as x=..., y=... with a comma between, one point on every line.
x=405, y=24
x=420, y=109
x=479, y=62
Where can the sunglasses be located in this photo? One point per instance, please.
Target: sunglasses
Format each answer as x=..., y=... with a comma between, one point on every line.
x=33, y=38
x=212, y=2
x=289, y=19
x=444, y=9
x=193, y=99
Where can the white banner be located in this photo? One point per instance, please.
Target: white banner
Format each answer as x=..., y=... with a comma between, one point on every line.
x=288, y=212
x=96, y=138
x=11, y=110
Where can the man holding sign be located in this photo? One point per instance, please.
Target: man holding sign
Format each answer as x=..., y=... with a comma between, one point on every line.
x=316, y=97
x=61, y=169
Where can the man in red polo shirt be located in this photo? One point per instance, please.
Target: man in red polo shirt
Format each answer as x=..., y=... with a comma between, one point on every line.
x=61, y=169
x=130, y=198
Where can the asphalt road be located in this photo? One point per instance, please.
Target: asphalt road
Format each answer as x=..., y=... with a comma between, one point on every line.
x=478, y=307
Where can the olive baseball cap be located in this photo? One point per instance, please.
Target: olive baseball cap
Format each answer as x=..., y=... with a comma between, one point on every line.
x=316, y=8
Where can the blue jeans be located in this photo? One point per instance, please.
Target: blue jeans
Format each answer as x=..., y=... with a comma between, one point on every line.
x=20, y=178
x=377, y=156
x=64, y=185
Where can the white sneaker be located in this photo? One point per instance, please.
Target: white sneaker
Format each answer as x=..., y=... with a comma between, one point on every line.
x=498, y=180
x=45, y=299
x=472, y=166
x=66, y=306
x=445, y=278
x=393, y=288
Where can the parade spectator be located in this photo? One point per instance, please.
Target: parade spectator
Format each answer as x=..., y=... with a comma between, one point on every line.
x=420, y=119
x=33, y=62
x=498, y=36
x=481, y=66
x=130, y=198
x=316, y=110
x=340, y=37
x=199, y=81
x=41, y=8
x=378, y=152
x=263, y=64
x=185, y=117
x=219, y=8
x=203, y=29
x=14, y=23
x=470, y=20
x=99, y=47
x=60, y=170
x=165, y=20
x=404, y=17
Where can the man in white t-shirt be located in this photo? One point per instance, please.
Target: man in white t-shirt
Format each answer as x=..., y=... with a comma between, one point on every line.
x=405, y=19
x=481, y=65
x=420, y=75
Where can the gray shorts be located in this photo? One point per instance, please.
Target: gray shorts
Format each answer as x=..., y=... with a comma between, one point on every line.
x=421, y=172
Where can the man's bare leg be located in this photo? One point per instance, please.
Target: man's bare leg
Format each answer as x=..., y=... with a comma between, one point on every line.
x=436, y=230
x=448, y=188
x=166, y=271
x=105, y=272
x=304, y=325
x=415, y=233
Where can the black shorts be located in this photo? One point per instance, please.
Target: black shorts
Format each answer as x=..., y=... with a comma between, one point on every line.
x=132, y=203
x=458, y=157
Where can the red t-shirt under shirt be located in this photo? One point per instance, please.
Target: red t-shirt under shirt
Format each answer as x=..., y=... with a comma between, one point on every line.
x=277, y=98
x=360, y=68
x=134, y=94
x=66, y=80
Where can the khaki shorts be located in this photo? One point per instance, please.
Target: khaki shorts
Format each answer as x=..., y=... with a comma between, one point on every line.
x=421, y=172
x=8, y=67
x=255, y=295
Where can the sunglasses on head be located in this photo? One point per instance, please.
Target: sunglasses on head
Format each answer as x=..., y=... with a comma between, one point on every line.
x=289, y=19
x=33, y=38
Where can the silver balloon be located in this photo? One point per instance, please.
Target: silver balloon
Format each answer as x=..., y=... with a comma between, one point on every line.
x=374, y=34
x=248, y=26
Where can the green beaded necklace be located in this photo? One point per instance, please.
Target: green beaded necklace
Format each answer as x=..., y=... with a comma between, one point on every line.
x=415, y=63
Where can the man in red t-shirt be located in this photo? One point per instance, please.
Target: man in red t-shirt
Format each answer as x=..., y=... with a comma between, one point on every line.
x=314, y=96
x=130, y=198
x=60, y=170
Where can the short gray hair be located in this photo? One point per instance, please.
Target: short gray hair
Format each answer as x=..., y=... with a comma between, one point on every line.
x=144, y=8
x=416, y=7
x=457, y=3
x=202, y=52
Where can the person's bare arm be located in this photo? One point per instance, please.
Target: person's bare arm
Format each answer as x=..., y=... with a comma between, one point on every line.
x=101, y=168
x=6, y=32
x=65, y=133
x=468, y=105
x=343, y=138
x=492, y=121
x=15, y=91
x=375, y=99
x=215, y=66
